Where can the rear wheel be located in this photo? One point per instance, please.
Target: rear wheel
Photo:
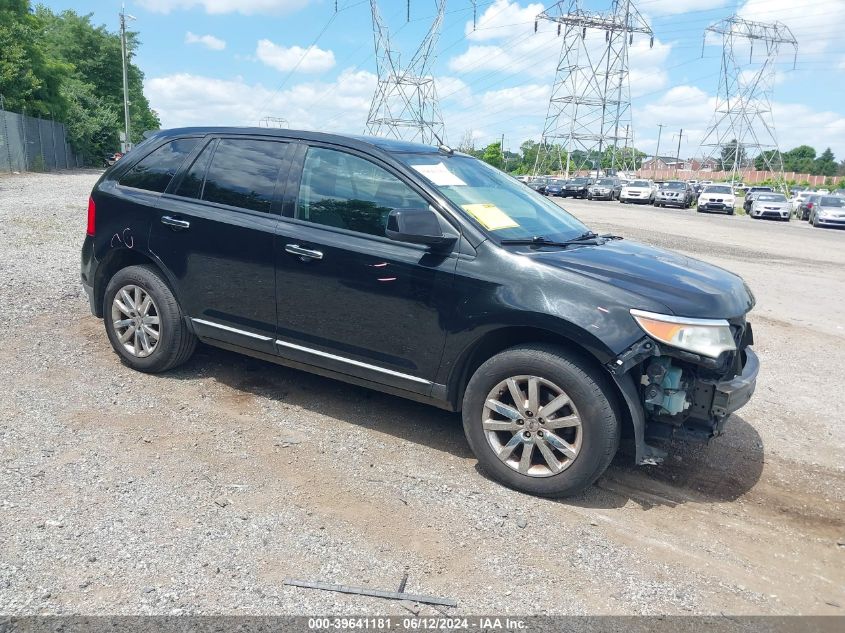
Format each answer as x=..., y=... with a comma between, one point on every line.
x=540, y=420
x=144, y=322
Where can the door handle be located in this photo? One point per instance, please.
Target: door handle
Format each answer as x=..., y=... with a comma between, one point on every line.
x=175, y=223
x=304, y=253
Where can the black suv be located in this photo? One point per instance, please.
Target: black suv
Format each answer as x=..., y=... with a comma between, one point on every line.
x=576, y=187
x=424, y=273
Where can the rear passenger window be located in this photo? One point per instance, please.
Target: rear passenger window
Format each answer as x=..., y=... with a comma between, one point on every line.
x=243, y=173
x=191, y=185
x=154, y=172
x=342, y=190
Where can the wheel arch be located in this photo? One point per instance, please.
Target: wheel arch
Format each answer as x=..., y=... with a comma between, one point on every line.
x=115, y=260
x=500, y=339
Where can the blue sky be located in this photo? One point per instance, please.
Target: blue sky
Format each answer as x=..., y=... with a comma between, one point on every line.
x=236, y=61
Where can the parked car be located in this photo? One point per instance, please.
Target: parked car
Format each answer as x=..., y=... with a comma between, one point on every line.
x=111, y=159
x=576, y=187
x=807, y=206
x=674, y=193
x=770, y=205
x=638, y=191
x=538, y=184
x=554, y=187
x=750, y=193
x=828, y=211
x=424, y=273
x=605, y=189
x=798, y=199
x=717, y=198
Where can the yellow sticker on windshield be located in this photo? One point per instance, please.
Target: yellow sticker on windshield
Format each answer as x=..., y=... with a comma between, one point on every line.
x=490, y=216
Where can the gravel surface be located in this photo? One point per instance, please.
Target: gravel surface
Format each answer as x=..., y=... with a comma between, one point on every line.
x=200, y=490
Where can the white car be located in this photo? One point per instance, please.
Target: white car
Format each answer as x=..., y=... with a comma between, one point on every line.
x=638, y=191
x=800, y=198
x=770, y=205
x=717, y=198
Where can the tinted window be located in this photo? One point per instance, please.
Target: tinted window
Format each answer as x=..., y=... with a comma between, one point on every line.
x=639, y=183
x=831, y=201
x=771, y=197
x=243, y=173
x=191, y=185
x=348, y=192
x=717, y=189
x=154, y=172
x=675, y=185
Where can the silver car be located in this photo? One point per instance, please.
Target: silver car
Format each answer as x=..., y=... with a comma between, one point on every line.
x=828, y=211
x=770, y=205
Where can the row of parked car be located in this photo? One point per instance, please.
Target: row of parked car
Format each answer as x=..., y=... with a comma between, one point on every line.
x=760, y=202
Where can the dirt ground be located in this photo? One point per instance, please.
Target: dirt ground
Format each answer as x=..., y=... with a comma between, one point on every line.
x=201, y=490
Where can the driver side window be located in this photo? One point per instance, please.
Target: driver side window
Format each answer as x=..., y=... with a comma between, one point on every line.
x=345, y=191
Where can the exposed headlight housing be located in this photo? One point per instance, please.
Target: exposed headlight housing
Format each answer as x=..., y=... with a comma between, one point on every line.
x=707, y=337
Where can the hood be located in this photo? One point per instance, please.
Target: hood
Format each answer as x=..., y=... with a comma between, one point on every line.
x=686, y=286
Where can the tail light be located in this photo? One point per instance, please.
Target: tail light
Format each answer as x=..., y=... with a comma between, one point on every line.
x=810, y=205
x=92, y=216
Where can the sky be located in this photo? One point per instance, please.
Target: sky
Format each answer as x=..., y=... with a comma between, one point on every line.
x=234, y=62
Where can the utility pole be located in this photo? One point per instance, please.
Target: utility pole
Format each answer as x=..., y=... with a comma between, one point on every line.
x=657, y=150
x=123, y=15
x=678, y=155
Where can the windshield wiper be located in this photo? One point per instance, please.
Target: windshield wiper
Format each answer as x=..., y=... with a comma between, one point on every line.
x=538, y=240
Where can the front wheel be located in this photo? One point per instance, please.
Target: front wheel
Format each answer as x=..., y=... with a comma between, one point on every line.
x=144, y=322
x=541, y=420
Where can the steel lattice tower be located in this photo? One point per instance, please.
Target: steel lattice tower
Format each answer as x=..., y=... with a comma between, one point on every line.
x=590, y=105
x=405, y=103
x=743, y=114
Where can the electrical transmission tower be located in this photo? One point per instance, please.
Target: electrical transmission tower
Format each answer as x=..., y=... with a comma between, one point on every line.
x=590, y=105
x=742, y=125
x=405, y=104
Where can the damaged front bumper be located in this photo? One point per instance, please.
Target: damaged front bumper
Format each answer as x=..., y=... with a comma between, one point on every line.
x=707, y=402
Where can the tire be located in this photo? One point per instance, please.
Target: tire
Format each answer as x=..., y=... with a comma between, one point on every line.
x=591, y=400
x=731, y=212
x=699, y=210
x=175, y=343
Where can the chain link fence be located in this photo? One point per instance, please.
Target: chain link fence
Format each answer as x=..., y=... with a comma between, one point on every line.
x=33, y=144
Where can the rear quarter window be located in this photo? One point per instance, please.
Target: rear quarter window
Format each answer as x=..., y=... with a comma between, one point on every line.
x=155, y=171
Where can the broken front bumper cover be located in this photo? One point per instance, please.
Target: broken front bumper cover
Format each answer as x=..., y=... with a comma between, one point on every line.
x=730, y=395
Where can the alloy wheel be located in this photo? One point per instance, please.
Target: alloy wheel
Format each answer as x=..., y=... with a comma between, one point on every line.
x=532, y=426
x=136, y=321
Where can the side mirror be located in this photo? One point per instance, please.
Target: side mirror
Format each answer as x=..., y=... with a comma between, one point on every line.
x=417, y=226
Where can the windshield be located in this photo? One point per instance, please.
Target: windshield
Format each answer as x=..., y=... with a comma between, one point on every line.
x=771, y=197
x=557, y=181
x=717, y=189
x=832, y=201
x=608, y=182
x=674, y=185
x=638, y=183
x=500, y=206
x=580, y=181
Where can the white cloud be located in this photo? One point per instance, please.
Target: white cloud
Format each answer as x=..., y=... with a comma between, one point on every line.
x=247, y=7
x=503, y=19
x=691, y=109
x=290, y=58
x=184, y=99
x=209, y=41
x=675, y=7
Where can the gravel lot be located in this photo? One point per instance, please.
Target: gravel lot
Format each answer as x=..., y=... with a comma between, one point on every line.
x=200, y=490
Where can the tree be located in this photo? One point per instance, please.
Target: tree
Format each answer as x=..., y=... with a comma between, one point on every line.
x=825, y=165
x=733, y=155
x=493, y=155
x=61, y=66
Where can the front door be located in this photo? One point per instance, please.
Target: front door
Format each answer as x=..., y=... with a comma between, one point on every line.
x=349, y=298
x=215, y=234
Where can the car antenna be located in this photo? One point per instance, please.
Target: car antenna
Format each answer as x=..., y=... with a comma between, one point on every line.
x=441, y=145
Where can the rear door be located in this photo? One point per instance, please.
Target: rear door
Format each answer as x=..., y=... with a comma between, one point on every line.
x=215, y=235
x=350, y=299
